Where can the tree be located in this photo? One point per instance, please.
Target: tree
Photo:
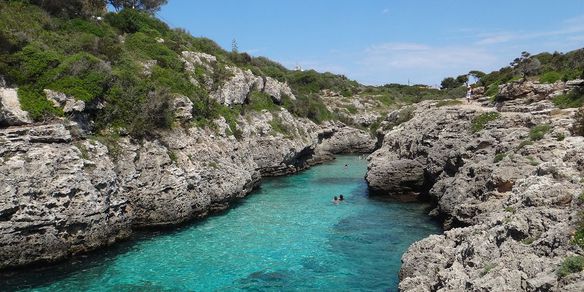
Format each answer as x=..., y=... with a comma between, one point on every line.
x=234, y=48
x=149, y=6
x=451, y=82
x=448, y=83
x=462, y=79
x=72, y=8
x=526, y=65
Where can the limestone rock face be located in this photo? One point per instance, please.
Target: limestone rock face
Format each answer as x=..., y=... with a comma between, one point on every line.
x=400, y=176
x=239, y=84
x=341, y=139
x=509, y=203
x=183, y=108
x=10, y=112
x=56, y=199
x=277, y=89
x=193, y=59
x=67, y=103
x=238, y=87
x=529, y=90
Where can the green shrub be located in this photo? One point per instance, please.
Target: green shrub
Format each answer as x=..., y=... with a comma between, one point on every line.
x=405, y=114
x=538, y=132
x=523, y=144
x=459, y=92
x=82, y=76
x=550, y=77
x=259, y=101
x=32, y=62
x=351, y=109
x=572, y=264
x=578, y=238
x=308, y=107
x=155, y=112
x=479, y=122
x=278, y=126
x=175, y=81
x=560, y=137
x=493, y=89
x=574, y=99
x=147, y=47
x=132, y=21
x=499, y=157
x=36, y=104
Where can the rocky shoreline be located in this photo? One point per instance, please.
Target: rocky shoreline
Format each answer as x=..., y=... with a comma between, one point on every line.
x=507, y=195
x=505, y=184
x=65, y=193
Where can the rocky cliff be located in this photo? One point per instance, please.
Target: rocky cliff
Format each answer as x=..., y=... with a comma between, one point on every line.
x=506, y=186
x=64, y=191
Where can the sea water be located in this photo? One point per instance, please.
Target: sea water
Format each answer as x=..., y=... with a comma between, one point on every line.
x=286, y=236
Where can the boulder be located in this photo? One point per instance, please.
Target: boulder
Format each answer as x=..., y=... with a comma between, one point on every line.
x=10, y=112
x=183, y=108
x=68, y=103
x=529, y=91
x=238, y=87
x=277, y=89
x=395, y=177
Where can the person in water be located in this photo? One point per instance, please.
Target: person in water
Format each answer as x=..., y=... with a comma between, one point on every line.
x=341, y=198
x=336, y=200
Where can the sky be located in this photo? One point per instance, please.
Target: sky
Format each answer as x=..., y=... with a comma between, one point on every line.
x=393, y=41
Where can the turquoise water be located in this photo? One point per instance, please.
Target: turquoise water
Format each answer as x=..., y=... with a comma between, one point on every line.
x=288, y=235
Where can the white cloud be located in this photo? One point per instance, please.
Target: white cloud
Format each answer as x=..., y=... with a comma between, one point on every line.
x=420, y=56
x=569, y=27
x=496, y=38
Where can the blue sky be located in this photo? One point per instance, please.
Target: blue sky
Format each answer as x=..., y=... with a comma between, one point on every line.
x=377, y=42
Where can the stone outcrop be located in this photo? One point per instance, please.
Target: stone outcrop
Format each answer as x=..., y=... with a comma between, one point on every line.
x=529, y=91
x=238, y=87
x=63, y=193
x=67, y=103
x=341, y=139
x=239, y=84
x=277, y=89
x=509, y=202
x=56, y=200
x=10, y=112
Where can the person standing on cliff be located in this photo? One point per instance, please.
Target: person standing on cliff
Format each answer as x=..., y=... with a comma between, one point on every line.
x=468, y=94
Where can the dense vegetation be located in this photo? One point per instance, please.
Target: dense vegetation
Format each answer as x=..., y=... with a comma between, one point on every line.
x=80, y=49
